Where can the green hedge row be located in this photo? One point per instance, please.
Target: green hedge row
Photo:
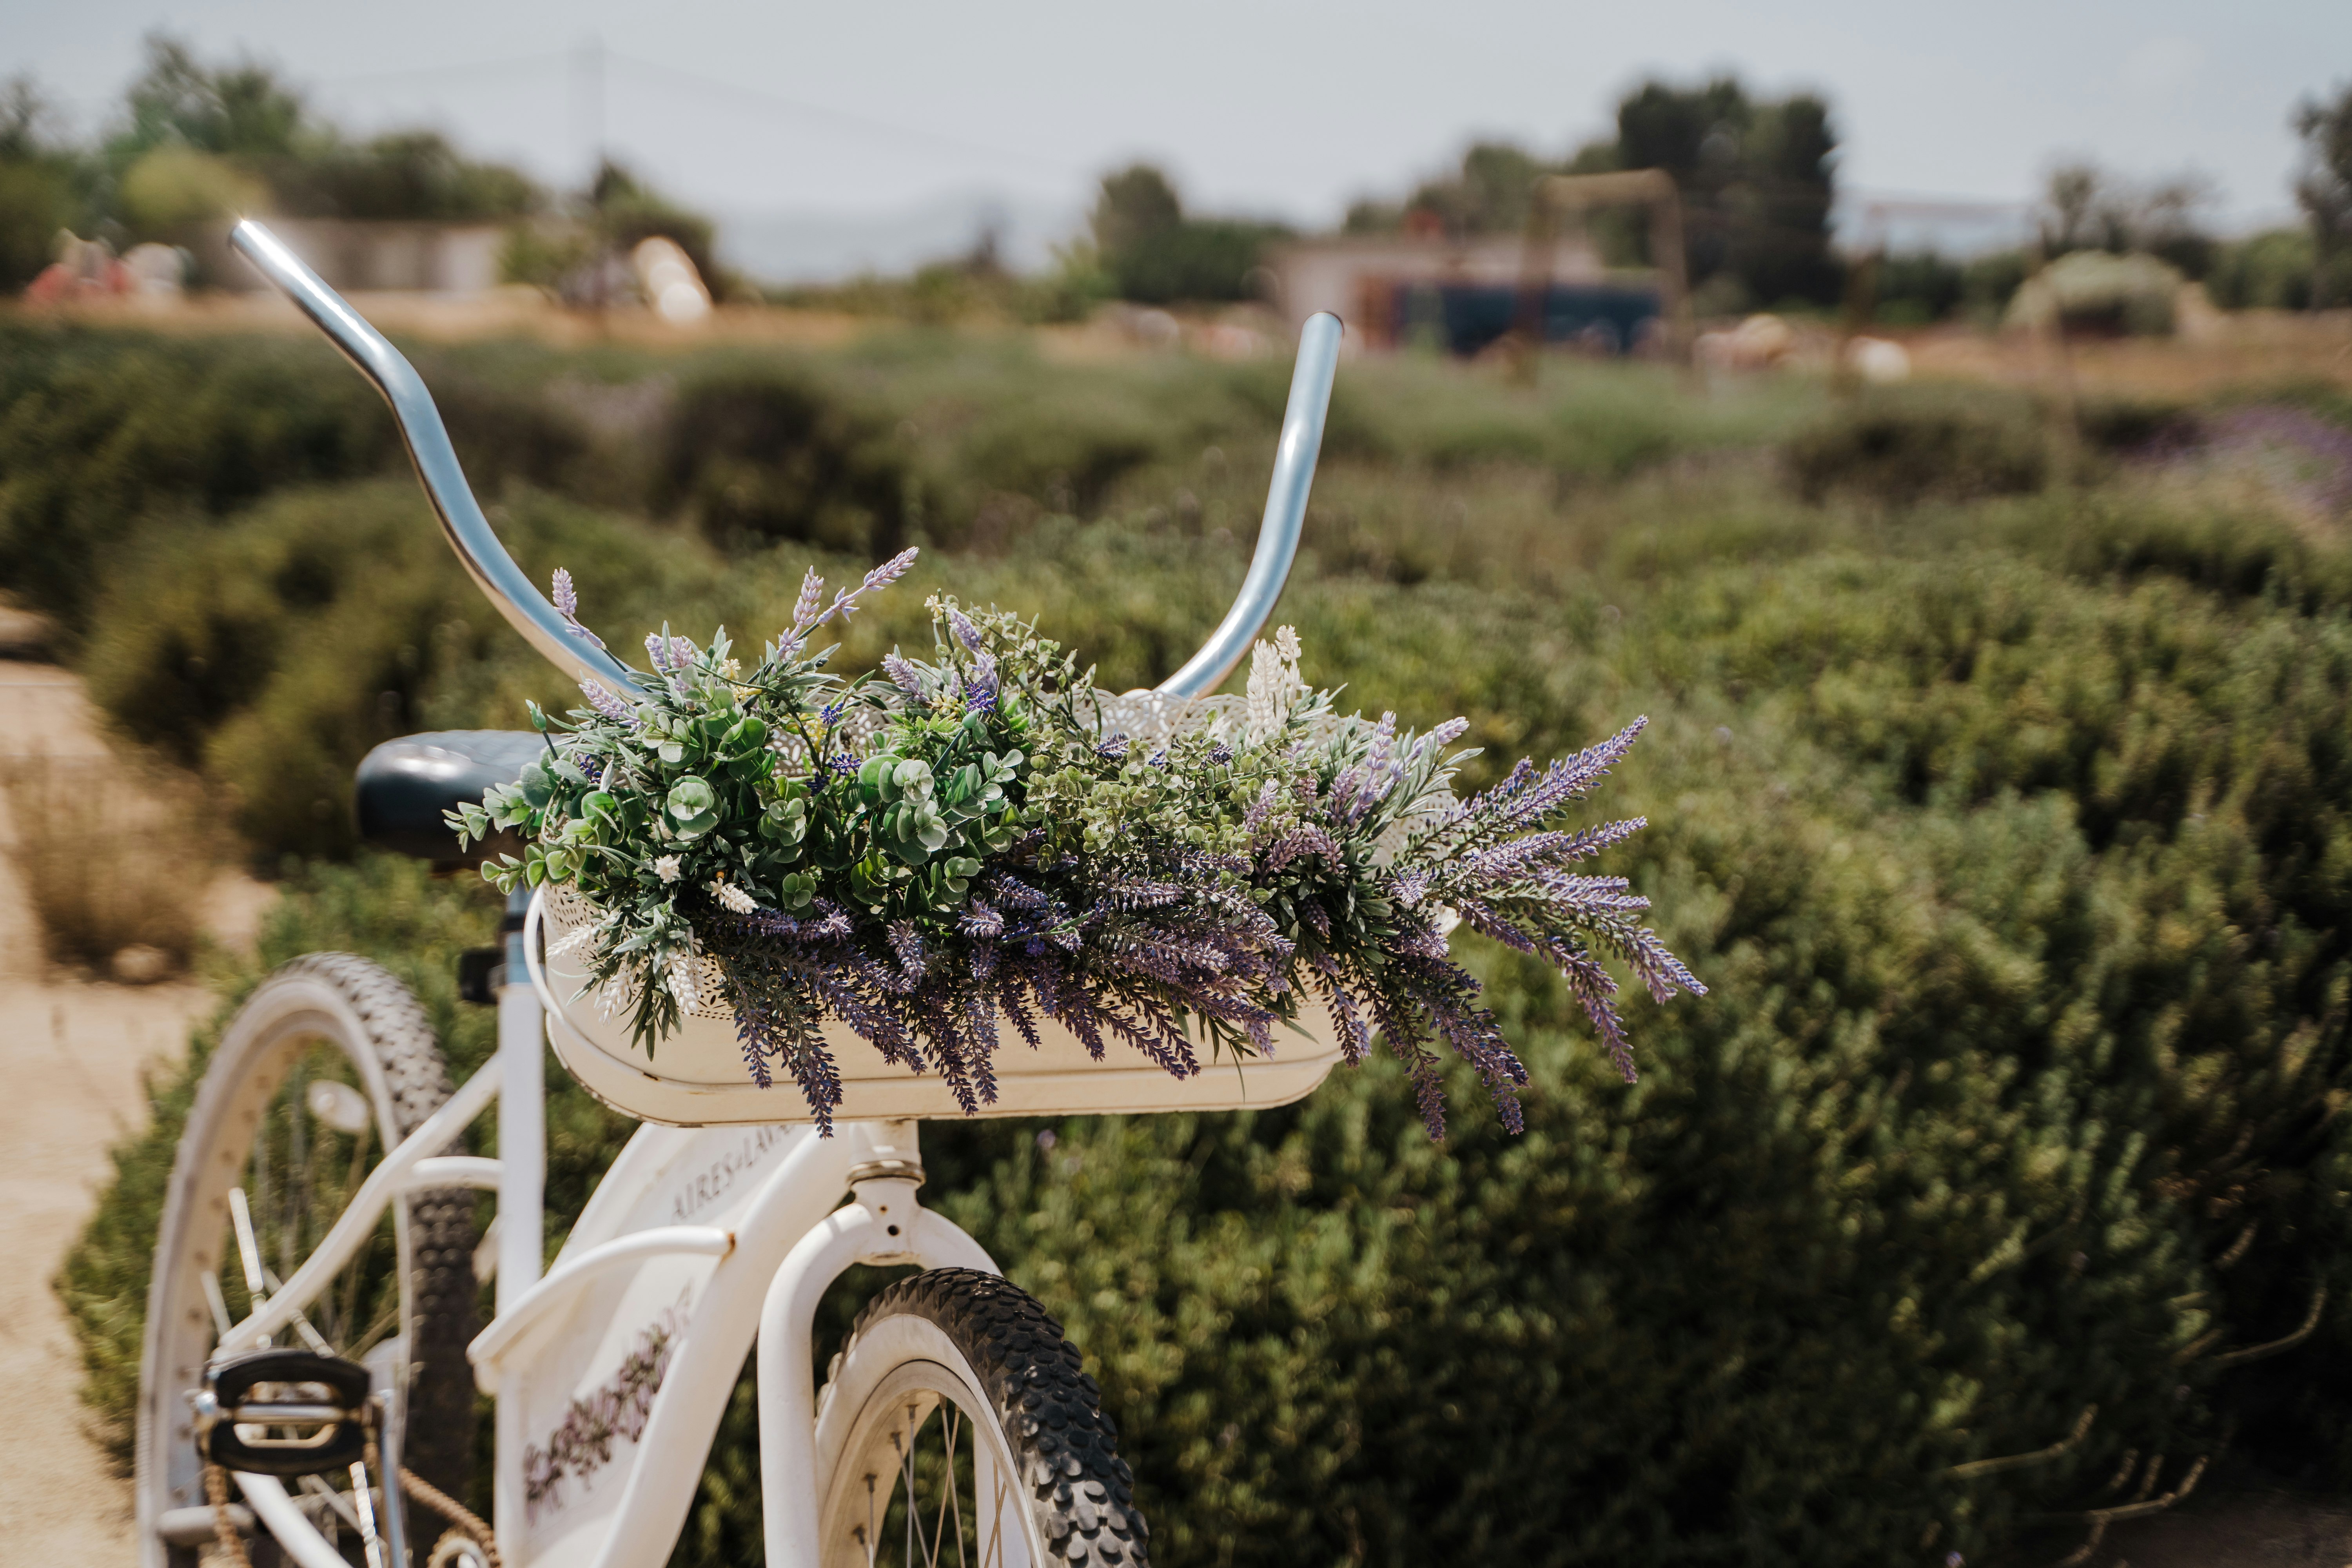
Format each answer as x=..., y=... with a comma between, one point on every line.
x=2008, y=832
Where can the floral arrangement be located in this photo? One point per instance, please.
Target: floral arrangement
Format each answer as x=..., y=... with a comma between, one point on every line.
x=983, y=836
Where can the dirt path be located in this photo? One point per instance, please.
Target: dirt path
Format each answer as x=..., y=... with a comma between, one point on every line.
x=71, y=1054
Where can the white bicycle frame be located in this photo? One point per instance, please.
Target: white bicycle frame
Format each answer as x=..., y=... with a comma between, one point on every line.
x=755, y=1229
x=764, y=1270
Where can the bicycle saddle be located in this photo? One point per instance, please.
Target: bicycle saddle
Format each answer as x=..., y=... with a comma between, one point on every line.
x=404, y=786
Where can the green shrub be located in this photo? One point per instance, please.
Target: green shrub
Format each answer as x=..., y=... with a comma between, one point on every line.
x=37, y=199
x=2011, y=843
x=2267, y=271
x=272, y=649
x=1897, y=453
x=755, y=456
x=101, y=434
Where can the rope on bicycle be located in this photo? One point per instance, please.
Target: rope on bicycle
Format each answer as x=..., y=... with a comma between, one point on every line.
x=224, y=1527
x=453, y=1511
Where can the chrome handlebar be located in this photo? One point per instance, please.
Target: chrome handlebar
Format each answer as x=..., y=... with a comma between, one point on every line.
x=1285, y=512
x=486, y=559
x=495, y=573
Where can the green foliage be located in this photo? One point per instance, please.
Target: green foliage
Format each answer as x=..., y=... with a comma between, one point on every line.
x=1156, y=255
x=2323, y=188
x=238, y=111
x=171, y=191
x=36, y=199
x=1899, y=451
x=1918, y=288
x=194, y=142
x=1989, y=282
x=755, y=454
x=2267, y=271
x=626, y=209
x=102, y=433
x=416, y=175
x=2008, y=833
x=99, y=432
x=1756, y=178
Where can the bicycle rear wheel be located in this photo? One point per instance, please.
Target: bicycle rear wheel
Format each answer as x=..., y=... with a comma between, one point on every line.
x=327, y=1063
x=957, y=1425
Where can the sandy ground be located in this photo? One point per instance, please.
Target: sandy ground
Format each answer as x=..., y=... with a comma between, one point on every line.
x=72, y=1052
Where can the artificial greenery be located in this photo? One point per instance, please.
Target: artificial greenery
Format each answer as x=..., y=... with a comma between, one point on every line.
x=979, y=839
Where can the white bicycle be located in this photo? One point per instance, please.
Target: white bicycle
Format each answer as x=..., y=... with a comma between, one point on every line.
x=307, y=1381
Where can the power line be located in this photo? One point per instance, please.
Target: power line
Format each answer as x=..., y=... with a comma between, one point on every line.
x=776, y=103
x=759, y=98
x=476, y=68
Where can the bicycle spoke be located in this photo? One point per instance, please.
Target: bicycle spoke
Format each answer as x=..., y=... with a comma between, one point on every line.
x=948, y=1417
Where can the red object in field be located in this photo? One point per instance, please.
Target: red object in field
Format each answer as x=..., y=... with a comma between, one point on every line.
x=85, y=269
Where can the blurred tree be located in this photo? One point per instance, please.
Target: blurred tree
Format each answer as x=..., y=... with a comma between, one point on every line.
x=2085, y=208
x=2267, y=271
x=1779, y=206
x=1757, y=181
x=192, y=136
x=1135, y=207
x=1157, y=255
x=1755, y=178
x=628, y=210
x=1916, y=288
x=2169, y=223
x=45, y=186
x=173, y=188
x=1489, y=194
x=412, y=174
x=242, y=110
x=2075, y=208
x=2324, y=189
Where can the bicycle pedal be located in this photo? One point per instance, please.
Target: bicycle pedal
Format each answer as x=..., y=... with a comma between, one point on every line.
x=316, y=1419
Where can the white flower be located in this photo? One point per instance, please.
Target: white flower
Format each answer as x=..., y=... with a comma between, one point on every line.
x=1275, y=687
x=667, y=867
x=734, y=898
x=679, y=977
x=579, y=938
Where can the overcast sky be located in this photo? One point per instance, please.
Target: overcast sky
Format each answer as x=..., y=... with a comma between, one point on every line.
x=1271, y=107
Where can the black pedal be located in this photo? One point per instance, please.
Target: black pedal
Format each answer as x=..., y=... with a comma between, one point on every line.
x=477, y=975
x=315, y=1418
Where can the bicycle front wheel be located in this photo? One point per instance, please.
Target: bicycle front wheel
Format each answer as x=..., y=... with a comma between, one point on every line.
x=958, y=1426
x=330, y=1063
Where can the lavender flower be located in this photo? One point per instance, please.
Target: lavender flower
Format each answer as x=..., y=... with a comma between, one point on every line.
x=1295, y=860
x=610, y=706
x=808, y=609
x=567, y=605
x=979, y=686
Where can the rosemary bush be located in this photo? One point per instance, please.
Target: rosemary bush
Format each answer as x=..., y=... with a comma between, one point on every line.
x=2010, y=839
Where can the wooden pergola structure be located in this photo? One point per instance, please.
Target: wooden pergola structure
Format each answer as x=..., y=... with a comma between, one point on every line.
x=1557, y=195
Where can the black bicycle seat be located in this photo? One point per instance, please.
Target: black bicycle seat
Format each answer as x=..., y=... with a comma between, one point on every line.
x=404, y=786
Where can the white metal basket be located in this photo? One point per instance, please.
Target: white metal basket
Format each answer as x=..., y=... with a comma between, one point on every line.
x=698, y=1078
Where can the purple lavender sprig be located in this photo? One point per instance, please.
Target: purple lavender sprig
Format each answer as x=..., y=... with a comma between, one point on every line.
x=567, y=605
x=806, y=614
